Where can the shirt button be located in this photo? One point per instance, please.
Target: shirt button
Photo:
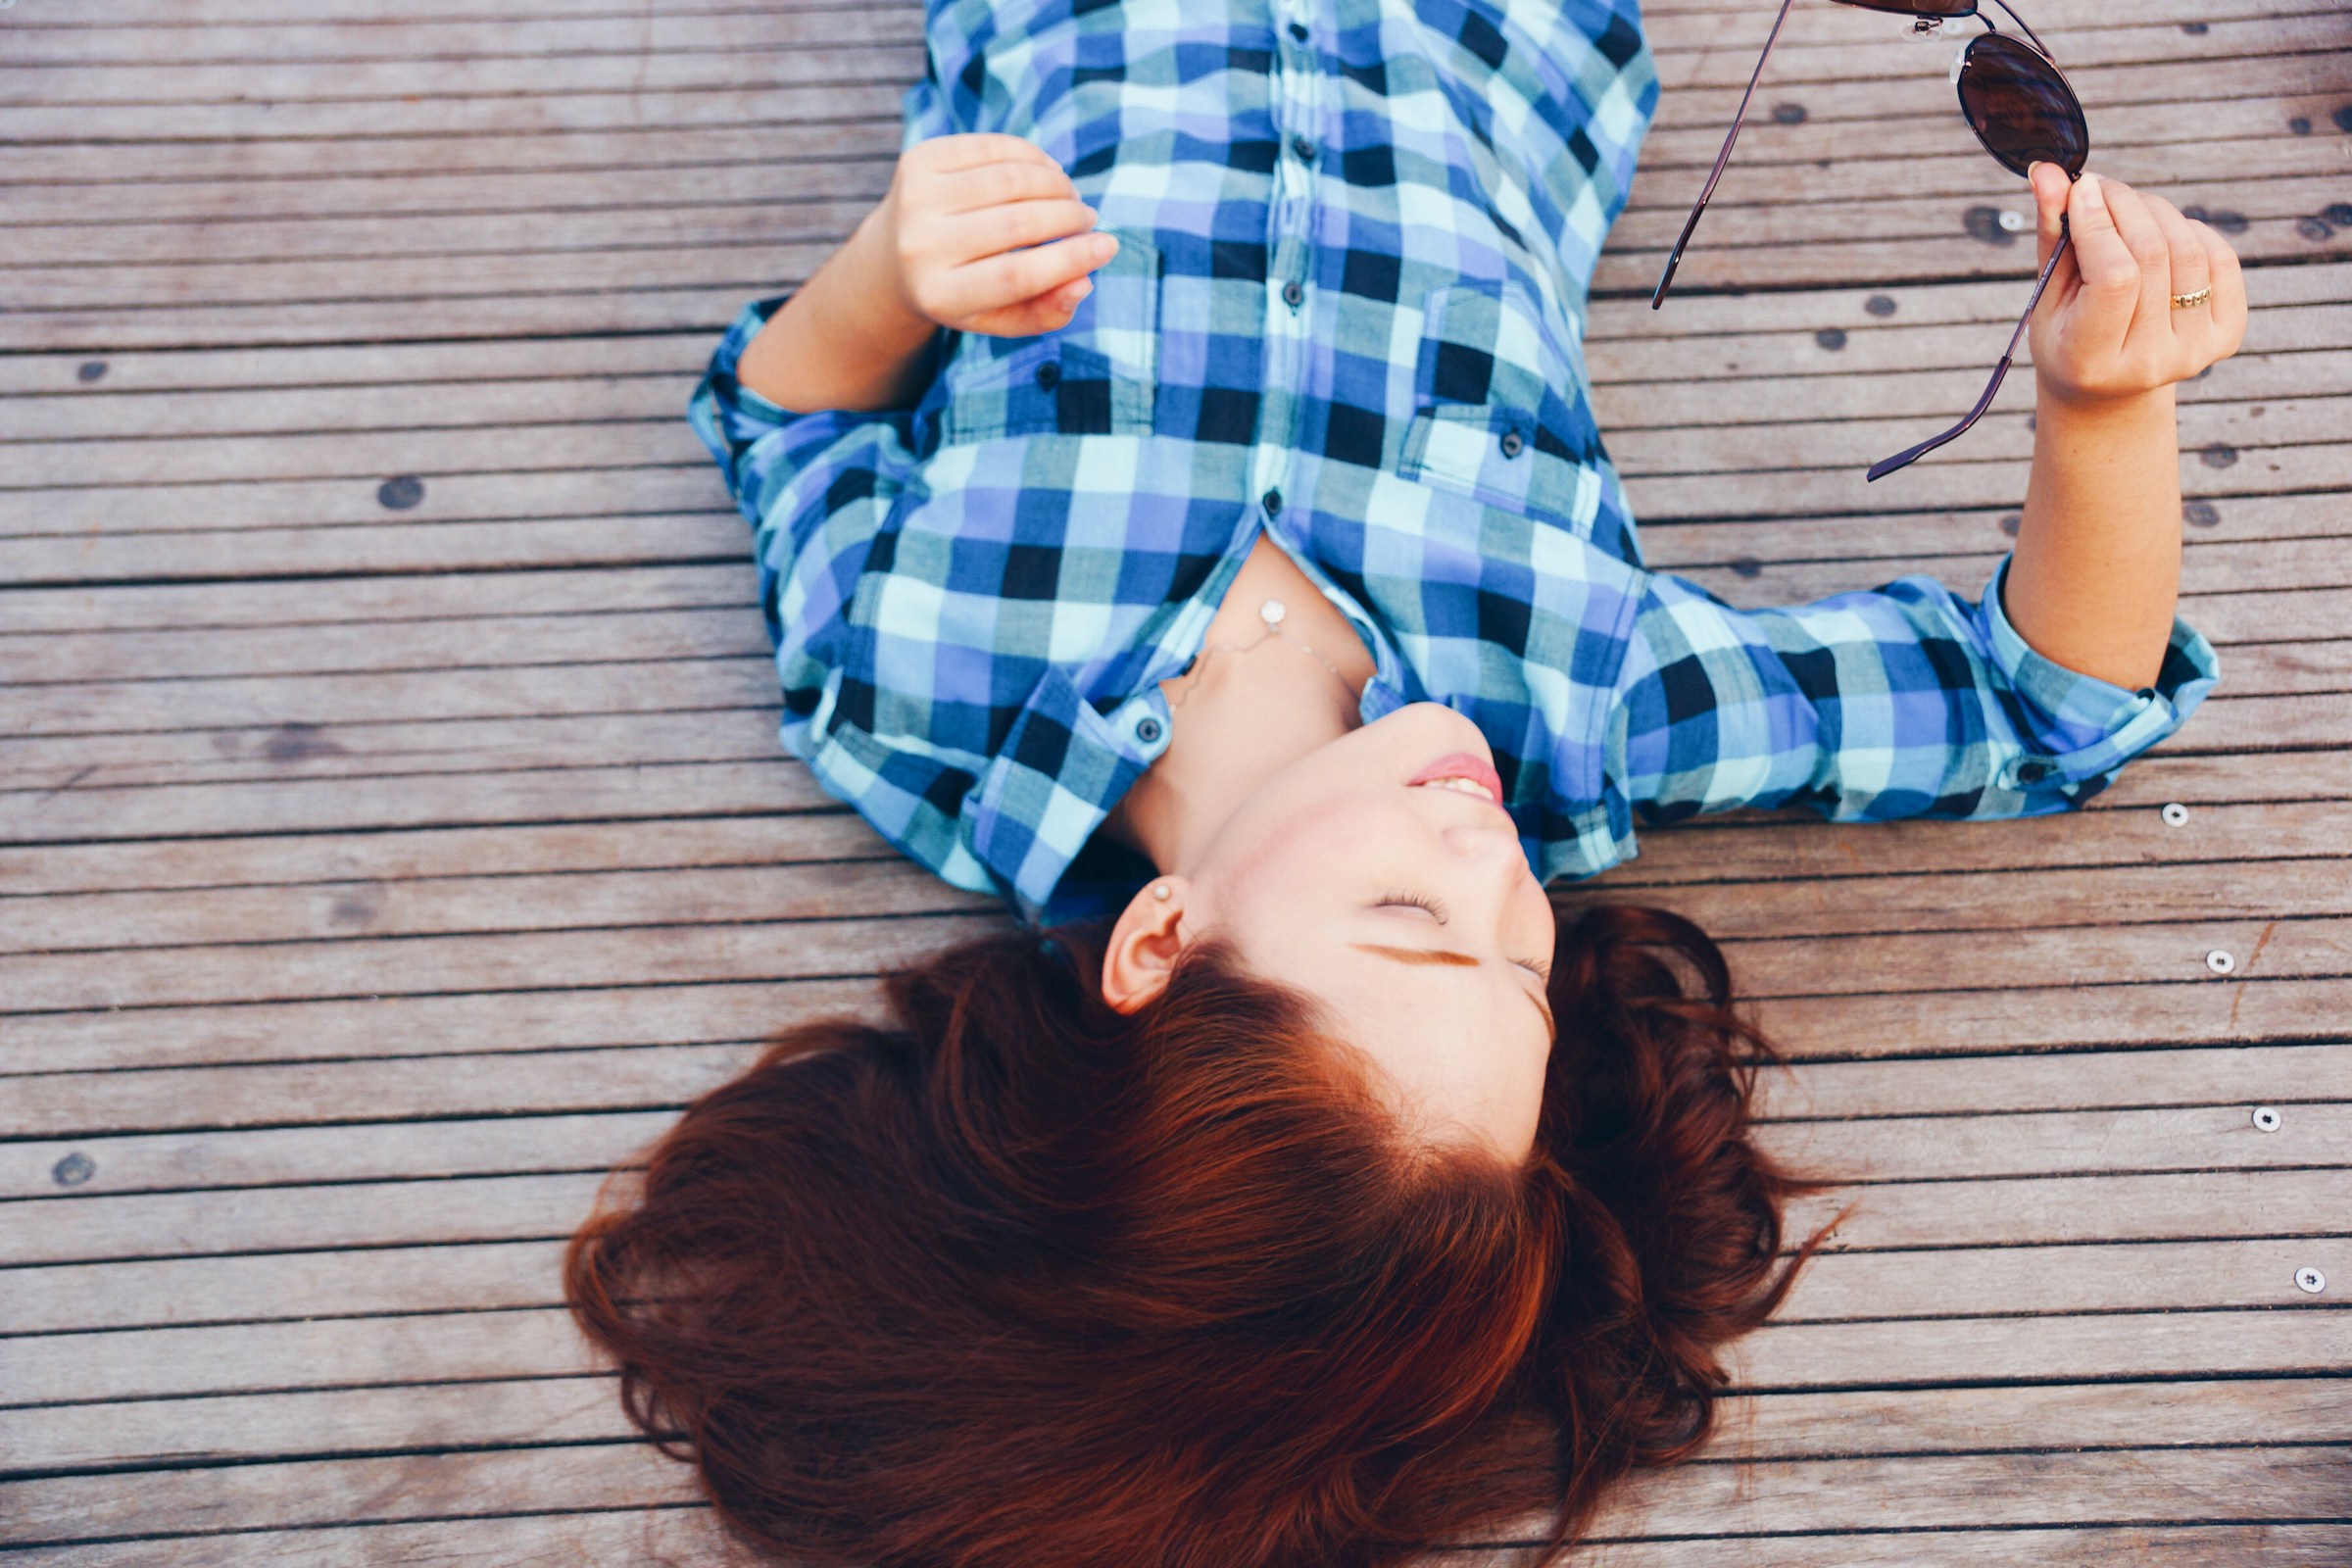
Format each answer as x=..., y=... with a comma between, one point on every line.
x=1293, y=295
x=2033, y=772
x=1047, y=374
x=1298, y=30
x=1302, y=149
x=1147, y=730
x=1271, y=501
x=1512, y=446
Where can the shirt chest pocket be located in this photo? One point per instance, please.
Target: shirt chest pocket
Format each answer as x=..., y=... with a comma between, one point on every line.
x=1500, y=418
x=1096, y=376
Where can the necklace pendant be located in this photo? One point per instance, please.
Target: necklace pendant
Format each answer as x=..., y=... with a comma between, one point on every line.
x=1273, y=613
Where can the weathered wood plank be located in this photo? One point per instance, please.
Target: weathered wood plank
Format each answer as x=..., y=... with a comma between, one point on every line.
x=2188, y=1013
x=244, y=40
x=342, y=1217
x=674, y=844
x=261, y=1149
x=2272, y=1076
x=2105, y=63
x=431, y=1347
x=2009, y=1212
x=532, y=109
x=423, y=1025
x=385, y=751
x=643, y=955
x=298, y=603
x=1836, y=1287
x=828, y=890
x=1988, y=899
x=1772, y=1426
x=2057, y=1348
x=2041, y=1211
x=2139, y=1486
x=2148, y=1486
x=683, y=1537
x=616, y=793
x=195, y=1501
x=254, y=1288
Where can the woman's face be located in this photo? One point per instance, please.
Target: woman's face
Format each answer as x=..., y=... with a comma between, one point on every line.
x=1380, y=874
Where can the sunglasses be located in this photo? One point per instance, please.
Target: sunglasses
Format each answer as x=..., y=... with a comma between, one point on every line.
x=2016, y=102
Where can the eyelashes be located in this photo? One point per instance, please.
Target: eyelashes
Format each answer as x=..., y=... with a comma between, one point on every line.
x=1416, y=901
x=1437, y=911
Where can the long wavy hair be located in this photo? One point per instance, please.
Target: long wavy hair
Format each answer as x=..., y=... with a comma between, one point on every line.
x=1013, y=1279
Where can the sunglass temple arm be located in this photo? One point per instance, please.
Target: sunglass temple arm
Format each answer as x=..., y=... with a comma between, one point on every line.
x=2022, y=26
x=1674, y=258
x=1902, y=460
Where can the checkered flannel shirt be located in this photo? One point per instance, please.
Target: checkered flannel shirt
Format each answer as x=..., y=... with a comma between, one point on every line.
x=1347, y=312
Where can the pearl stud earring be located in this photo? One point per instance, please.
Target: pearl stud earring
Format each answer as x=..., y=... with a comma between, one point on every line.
x=1162, y=892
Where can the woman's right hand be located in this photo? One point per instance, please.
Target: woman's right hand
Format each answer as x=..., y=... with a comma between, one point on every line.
x=989, y=236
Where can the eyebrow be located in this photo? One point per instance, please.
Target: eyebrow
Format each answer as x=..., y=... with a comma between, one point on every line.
x=1449, y=958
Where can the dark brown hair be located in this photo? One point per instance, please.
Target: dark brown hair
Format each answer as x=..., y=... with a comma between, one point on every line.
x=1014, y=1279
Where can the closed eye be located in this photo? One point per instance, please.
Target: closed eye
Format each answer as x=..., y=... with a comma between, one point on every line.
x=1412, y=900
x=1416, y=901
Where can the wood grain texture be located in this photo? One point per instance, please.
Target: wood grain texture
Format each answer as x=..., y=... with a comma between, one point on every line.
x=374, y=878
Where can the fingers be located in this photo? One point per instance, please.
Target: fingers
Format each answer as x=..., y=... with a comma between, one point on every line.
x=1049, y=311
x=971, y=149
x=985, y=186
x=973, y=236
x=2110, y=294
x=2189, y=268
x=2229, y=304
x=997, y=281
x=2143, y=234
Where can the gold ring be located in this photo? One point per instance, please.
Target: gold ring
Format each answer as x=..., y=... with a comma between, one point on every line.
x=2189, y=301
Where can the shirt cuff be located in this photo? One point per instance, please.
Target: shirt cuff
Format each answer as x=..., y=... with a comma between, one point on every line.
x=2080, y=727
x=729, y=353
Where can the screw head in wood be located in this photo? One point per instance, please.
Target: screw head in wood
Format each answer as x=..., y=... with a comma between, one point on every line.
x=2266, y=1120
x=2310, y=1281
x=2219, y=961
x=2176, y=814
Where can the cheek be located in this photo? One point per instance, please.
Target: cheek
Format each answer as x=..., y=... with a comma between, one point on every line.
x=1307, y=843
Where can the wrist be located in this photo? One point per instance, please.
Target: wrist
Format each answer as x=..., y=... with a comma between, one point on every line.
x=2073, y=407
x=873, y=263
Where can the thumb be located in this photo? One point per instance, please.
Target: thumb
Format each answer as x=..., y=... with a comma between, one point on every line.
x=2051, y=190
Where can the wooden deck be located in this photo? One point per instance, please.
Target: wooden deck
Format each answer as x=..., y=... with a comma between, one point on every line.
x=393, y=834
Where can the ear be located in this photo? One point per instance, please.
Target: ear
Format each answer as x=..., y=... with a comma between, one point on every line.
x=1143, y=945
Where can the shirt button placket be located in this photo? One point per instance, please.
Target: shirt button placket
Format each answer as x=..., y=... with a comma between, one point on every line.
x=1290, y=258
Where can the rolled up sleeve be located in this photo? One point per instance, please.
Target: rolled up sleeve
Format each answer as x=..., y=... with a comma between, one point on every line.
x=1903, y=701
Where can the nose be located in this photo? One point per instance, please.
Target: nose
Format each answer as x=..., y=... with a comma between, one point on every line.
x=1486, y=855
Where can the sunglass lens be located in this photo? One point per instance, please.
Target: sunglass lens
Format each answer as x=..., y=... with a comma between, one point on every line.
x=2020, y=108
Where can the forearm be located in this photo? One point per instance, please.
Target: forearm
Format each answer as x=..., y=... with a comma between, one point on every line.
x=849, y=339
x=2098, y=567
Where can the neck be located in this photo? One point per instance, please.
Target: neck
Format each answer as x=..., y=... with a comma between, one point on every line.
x=1239, y=719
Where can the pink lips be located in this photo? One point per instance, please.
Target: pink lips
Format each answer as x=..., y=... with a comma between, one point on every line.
x=1464, y=765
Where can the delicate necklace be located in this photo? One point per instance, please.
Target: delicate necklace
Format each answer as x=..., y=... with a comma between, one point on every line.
x=1270, y=614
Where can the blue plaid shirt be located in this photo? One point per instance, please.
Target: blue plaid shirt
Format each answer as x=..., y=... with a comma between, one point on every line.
x=1348, y=312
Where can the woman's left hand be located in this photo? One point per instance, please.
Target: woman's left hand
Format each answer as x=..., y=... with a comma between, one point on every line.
x=2107, y=328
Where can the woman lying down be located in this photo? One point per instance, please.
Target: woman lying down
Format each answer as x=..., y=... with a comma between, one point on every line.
x=1179, y=511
